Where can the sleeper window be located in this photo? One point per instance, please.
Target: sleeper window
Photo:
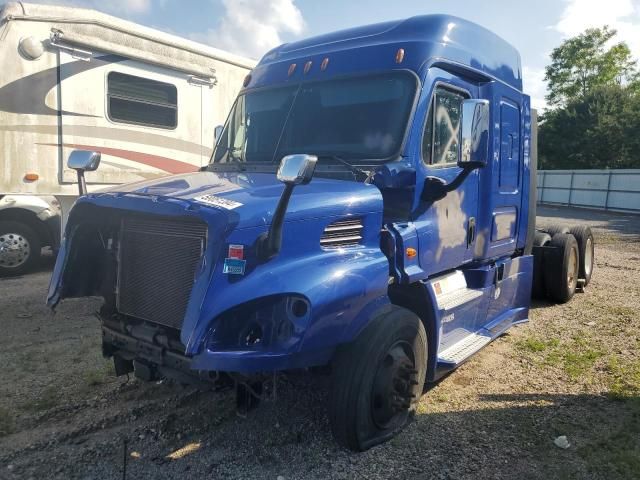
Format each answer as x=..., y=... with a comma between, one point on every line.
x=441, y=141
x=142, y=101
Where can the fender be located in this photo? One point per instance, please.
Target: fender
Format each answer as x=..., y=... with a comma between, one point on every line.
x=340, y=284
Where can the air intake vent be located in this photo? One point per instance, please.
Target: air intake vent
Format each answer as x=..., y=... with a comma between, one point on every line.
x=345, y=233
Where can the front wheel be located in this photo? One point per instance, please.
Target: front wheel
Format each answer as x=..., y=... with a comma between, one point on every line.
x=378, y=380
x=19, y=248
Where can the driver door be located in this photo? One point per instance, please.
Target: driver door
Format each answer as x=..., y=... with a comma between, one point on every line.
x=446, y=228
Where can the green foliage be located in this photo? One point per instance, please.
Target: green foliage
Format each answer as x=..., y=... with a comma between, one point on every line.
x=598, y=130
x=585, y=62
x=594, y=94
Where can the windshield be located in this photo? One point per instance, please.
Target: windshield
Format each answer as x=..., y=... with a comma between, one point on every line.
x=355, y=118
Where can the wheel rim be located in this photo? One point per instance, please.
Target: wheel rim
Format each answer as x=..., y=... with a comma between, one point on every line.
x=588, y=257
x=393, y=386
x=14, y=250
x=572, y=271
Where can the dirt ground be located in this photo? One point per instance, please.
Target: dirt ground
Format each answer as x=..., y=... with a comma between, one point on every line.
x=574, y=370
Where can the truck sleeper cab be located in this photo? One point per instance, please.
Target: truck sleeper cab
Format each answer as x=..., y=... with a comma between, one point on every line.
x=368, y=206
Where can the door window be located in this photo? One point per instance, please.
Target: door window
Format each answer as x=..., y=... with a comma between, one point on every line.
x=441, y=139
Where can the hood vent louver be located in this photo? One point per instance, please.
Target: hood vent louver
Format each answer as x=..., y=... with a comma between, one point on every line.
x=344, y=233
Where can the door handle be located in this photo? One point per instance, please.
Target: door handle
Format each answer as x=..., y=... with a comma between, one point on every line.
x=471, y=231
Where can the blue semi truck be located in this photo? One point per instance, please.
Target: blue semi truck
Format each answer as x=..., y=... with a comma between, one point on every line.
x=369, y=210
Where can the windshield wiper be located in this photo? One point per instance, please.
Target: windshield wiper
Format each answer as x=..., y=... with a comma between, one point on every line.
x=355, y=170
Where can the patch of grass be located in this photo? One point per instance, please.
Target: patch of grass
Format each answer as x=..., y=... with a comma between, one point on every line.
x=577, y=363
x=99, y=376
x=535, y=345
x=620, y=311
x=47, y=399
x=625, y=378
x=575, y=357
x=618, y=452
x=6, y=422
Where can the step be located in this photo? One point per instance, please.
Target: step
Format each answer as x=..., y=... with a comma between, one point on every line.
x=466, y=347
x=451, y=291
x=449, y=301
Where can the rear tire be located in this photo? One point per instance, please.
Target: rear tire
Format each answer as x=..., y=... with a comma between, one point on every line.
x=584, y=237
x=555, y=229
x=561, y=266
x=541, y=239
x=19, y=248
x=378, y=380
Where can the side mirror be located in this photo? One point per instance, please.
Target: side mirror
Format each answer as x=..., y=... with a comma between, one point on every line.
x=83, y=161
x=294, y=170
x=475, y=134
x=216, y=133
x=297, y=169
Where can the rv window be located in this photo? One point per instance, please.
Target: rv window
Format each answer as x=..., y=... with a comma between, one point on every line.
x=141, y=101
x=441, y=140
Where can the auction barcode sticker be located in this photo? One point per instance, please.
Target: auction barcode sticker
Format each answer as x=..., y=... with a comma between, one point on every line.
x=218, y=202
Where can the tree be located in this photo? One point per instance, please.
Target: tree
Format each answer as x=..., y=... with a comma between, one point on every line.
x=585, y=62
x=599, y=129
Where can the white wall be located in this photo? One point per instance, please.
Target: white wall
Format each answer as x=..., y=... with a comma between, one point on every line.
x=604, y=189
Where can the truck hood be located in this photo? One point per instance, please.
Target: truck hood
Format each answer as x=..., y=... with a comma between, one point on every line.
x=251, y=197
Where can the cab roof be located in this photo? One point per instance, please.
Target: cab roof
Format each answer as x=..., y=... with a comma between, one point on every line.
x=424, y=38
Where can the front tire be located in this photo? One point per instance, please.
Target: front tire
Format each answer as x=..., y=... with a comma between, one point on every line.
x=19, y=248
x=378, y=380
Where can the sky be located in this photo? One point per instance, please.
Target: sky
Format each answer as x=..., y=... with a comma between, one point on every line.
x=251, y=27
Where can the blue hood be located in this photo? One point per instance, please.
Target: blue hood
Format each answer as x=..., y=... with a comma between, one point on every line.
x=252, y=197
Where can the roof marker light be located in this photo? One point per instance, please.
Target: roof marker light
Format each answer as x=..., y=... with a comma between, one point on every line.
x=400, y=55
x=31, y=177
x=323, y=65
x=411, y=252
x=292, y=68
x=307, y=67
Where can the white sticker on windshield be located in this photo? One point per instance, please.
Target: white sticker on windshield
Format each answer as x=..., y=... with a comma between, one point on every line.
x=218, y=202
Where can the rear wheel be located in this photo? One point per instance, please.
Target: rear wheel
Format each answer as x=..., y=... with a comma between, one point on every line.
x=584, y=237
x=561, y=267
x=555, y=229
x=378, y=380
x=19, y=248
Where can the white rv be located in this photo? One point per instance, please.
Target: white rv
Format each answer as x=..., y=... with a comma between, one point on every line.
x=74, y=78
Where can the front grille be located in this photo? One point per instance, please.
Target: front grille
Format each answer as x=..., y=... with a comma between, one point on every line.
x=344, y=233
x=158, y=257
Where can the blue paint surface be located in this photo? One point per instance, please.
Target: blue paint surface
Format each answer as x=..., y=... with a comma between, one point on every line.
x=345, y=287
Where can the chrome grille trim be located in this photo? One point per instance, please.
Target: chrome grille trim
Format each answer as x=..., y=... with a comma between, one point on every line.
x=344, y=233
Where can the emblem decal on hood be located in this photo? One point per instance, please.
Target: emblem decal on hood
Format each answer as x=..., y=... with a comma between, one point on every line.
x=218, y=202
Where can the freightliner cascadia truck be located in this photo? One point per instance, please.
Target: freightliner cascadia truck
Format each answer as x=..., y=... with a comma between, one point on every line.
x=368, y=213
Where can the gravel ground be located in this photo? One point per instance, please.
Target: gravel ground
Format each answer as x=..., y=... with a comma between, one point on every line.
x=574, y=370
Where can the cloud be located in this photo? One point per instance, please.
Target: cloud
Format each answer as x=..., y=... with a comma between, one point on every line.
x=535, y=86
x=623, y=15
x=252, y=27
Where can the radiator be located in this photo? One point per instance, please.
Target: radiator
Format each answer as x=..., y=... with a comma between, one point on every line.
x=157, y=261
